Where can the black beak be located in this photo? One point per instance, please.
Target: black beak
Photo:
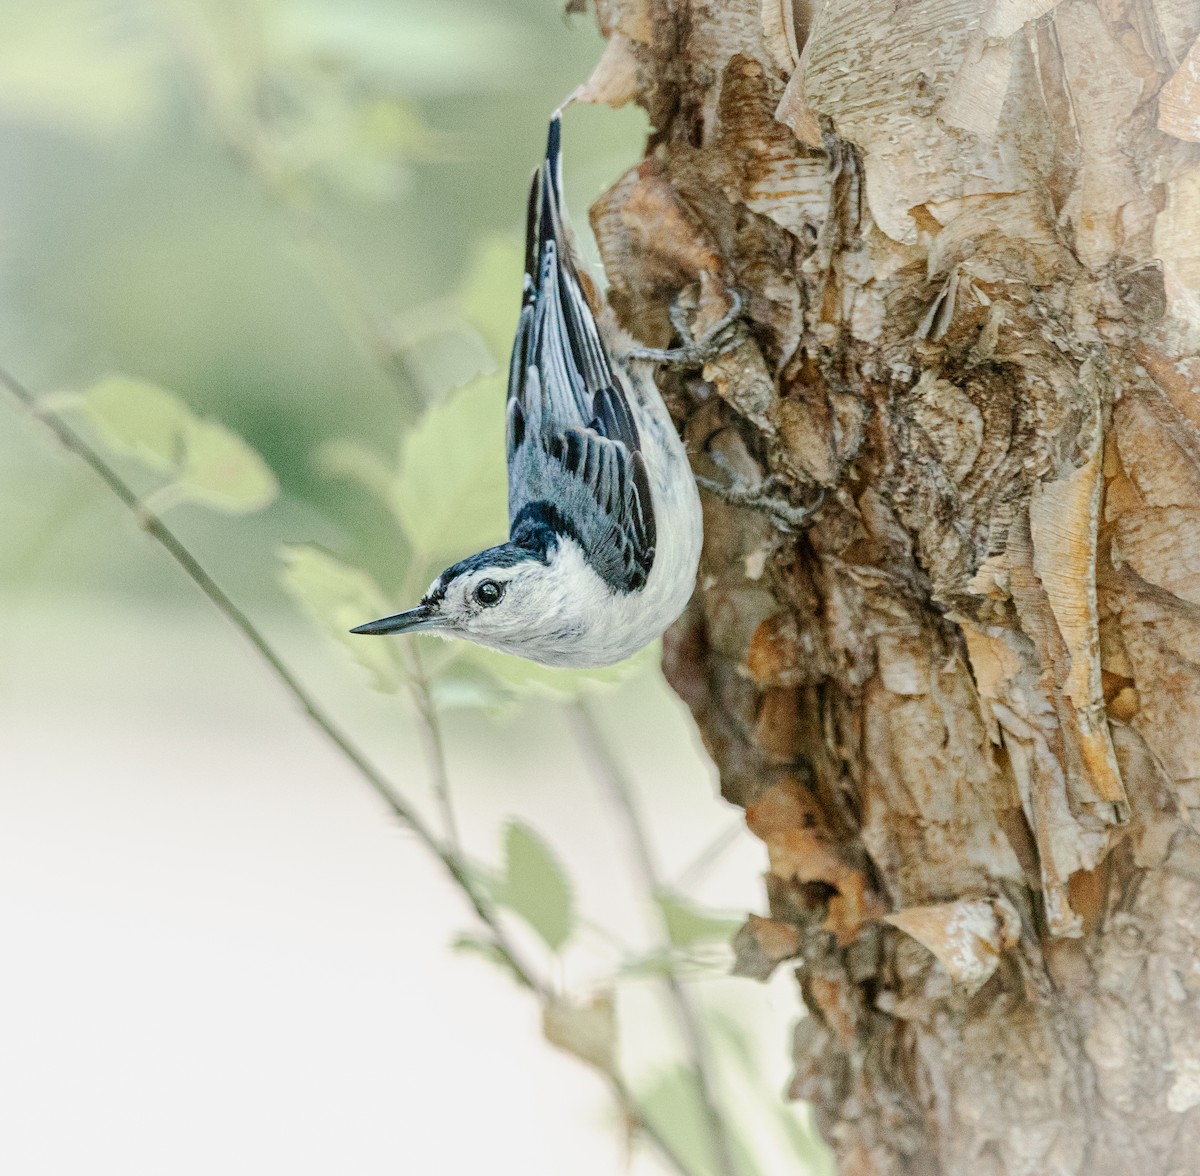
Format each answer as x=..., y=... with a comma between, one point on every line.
x=424, y=616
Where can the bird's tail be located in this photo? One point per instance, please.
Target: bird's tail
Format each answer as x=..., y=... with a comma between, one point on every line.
x=547, y=224
x=558, y=336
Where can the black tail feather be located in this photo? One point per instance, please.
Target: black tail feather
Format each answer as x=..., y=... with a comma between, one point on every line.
x=544, y=221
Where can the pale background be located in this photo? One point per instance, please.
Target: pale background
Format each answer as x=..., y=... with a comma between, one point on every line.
x=220, y=954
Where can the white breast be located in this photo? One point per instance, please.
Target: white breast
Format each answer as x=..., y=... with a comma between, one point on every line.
x=615, y=625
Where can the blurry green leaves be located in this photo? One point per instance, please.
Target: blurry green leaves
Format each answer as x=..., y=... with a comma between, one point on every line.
x=522, y=677
x=805, y=1140
x=535, y=887
x=531, y=884
x=697, y=940
x=139, y=418
x=420, y=47
x=223, y=472
x=451, y=496
x=672, y=1102
x=441, y=350
x=488, y=298
x=207, y=463
x=337, y=597
x=754, y=1102
x=332, y=92
x=589, y=1031
x=72, y=66
x=360, y=144
x=688, y=925
x=490, y=950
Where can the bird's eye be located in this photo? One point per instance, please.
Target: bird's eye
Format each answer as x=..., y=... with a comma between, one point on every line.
x=488, y=593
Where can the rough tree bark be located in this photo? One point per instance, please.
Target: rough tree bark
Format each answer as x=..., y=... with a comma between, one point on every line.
x=961, y=703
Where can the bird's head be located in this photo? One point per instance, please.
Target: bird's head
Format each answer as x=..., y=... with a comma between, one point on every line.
x=509, y=597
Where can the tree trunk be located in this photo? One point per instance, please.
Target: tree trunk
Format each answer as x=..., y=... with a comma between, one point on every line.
x=961, y=701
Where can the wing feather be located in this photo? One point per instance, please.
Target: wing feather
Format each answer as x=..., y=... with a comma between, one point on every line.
x=573, y=442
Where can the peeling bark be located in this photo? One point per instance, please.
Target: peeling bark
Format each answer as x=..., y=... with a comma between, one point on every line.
x=961, y=705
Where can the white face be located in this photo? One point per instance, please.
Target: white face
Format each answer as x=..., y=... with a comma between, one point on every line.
x=512, y=608
x=558, y=613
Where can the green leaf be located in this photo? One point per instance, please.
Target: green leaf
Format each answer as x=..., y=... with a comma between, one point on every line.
x=139, y=418
x=210, y=464
x=486, y=295
x=360, y=141
x=672, y=1103
x=535, y=886
x=338, y=597
x=526, y=679
x=441, y=360
x=489, y=950
x=70, y=68
x=688, y=925
x=452, y=494
x=589, y=1031
x=462, y=685
x=223, y=472
x=395, y=128
x=358, y=463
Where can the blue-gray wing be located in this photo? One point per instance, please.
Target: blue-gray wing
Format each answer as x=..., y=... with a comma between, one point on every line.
x=574, y=454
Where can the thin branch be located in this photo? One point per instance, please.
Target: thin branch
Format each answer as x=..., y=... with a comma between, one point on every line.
x=451, y=860
x=638, y=1123
x=595, y=746
x=160, y=532
x=699, y=866
x=435, y=745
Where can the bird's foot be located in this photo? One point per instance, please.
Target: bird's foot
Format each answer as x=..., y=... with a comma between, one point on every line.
x=694, y=353
x=769, y=496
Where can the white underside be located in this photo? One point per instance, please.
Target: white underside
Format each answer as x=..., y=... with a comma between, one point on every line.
x=581, y=621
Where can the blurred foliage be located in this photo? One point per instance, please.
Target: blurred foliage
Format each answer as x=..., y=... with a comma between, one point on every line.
x=189, y=201
x=292, y=228
x=588, y=1030
x=673, y=1104
x=535, y=886
x=336, y=598
x=208, y=464
x=687, y=925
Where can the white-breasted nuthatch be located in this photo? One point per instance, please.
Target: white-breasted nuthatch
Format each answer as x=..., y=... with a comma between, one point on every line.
x=604, y=517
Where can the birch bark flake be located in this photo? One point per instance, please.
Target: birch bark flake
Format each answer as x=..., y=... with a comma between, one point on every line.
x=879, y=70
x=1179, y=100
x=1063, y=517
x=966, y=937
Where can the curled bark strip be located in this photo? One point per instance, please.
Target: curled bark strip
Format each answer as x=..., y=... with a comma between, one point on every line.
x=967, y=937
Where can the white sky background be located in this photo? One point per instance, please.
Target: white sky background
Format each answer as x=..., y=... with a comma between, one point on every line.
x=220, y=955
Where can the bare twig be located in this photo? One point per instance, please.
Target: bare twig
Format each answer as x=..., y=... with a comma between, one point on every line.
x=639, y=1123
x=696, y=869
x=161, y=533
x=435, y=745
x=595, y=746
x=450, y=858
